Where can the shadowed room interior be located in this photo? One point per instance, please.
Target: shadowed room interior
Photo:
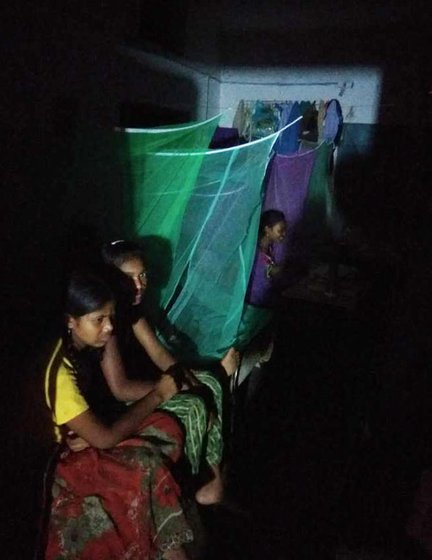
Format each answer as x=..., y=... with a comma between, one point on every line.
x=330, y=437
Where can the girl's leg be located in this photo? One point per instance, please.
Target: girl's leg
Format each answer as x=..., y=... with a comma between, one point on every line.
x=178, y=554
x=87, y=516
x=212, y=492
x=166, y=431
x=201, y=442
x=191, y=412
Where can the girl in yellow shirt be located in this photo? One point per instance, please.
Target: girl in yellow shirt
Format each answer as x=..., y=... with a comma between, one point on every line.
x=116, y=498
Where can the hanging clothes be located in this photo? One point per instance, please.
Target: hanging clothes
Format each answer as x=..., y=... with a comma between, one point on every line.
x=225, y=137
x=288, y=142
x=239, y=121
x=320, y=118
x=286, y=190
x=265, y=120
x=309, y=124
x=333, y=122
x=285, y=111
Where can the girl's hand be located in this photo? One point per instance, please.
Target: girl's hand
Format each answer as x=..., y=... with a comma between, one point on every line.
x=190, y=380
x=166, y=387
x=76, y=443
x=183, y=377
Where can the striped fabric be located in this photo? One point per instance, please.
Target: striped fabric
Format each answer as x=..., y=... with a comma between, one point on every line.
x=190, y=409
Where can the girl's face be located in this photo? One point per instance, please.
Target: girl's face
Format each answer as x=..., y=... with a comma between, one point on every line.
x=92, y=329
x=135, y=269
x=276, y=233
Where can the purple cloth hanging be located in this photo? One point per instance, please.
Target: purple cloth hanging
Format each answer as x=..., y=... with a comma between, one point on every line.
x=225, y=137
x=288, y=141
x=333, y=122
x=286, y=190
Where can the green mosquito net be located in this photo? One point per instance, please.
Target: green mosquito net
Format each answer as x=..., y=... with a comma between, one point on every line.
x=108, y=168
x=197, y=212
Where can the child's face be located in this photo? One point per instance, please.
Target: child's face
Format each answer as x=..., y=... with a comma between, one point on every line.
x=276, y=233
x=92, y=329
x=135, y=269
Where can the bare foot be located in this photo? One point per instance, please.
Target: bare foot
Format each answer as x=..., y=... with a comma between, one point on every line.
x=231, y=361
x=212, y=492
x=177, y=554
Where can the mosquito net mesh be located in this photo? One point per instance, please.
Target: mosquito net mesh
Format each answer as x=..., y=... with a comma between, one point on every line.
x=205, y=206
x=108, y=167
x=161, y=183
x=197, y=212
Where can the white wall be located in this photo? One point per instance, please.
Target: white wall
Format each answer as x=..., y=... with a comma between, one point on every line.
x=360, y=88
x=260, y=45
x=221, y=89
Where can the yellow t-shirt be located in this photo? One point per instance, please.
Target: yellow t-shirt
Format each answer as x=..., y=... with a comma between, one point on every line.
x=68, y=401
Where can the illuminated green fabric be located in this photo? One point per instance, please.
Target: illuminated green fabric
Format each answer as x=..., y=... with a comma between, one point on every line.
x=253, y=321
x=196, y=210
x=206, y=206
x=162, y=185
x=107, y=167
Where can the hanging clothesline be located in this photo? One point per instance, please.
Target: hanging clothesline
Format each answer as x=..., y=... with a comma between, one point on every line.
x=259, y=118
x=343, y=86
x=279, y=101
x=236, y=82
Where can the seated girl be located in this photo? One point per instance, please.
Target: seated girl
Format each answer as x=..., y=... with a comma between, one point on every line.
x=127, y=352
x=266, y=272
x=116, y=498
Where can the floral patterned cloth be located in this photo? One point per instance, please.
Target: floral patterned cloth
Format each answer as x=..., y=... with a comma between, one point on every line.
x=120, y=503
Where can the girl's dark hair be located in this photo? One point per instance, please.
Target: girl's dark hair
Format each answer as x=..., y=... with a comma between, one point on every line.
x=118, y=252
x=86, y=293
x=270, y=218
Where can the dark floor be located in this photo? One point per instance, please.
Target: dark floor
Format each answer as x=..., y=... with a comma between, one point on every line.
x=311, y=474
x=308, y=465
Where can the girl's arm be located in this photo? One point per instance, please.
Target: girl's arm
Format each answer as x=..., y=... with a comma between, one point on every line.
x=87, y=426
x=157, y=352
x=163, y=359
x=121, y=387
